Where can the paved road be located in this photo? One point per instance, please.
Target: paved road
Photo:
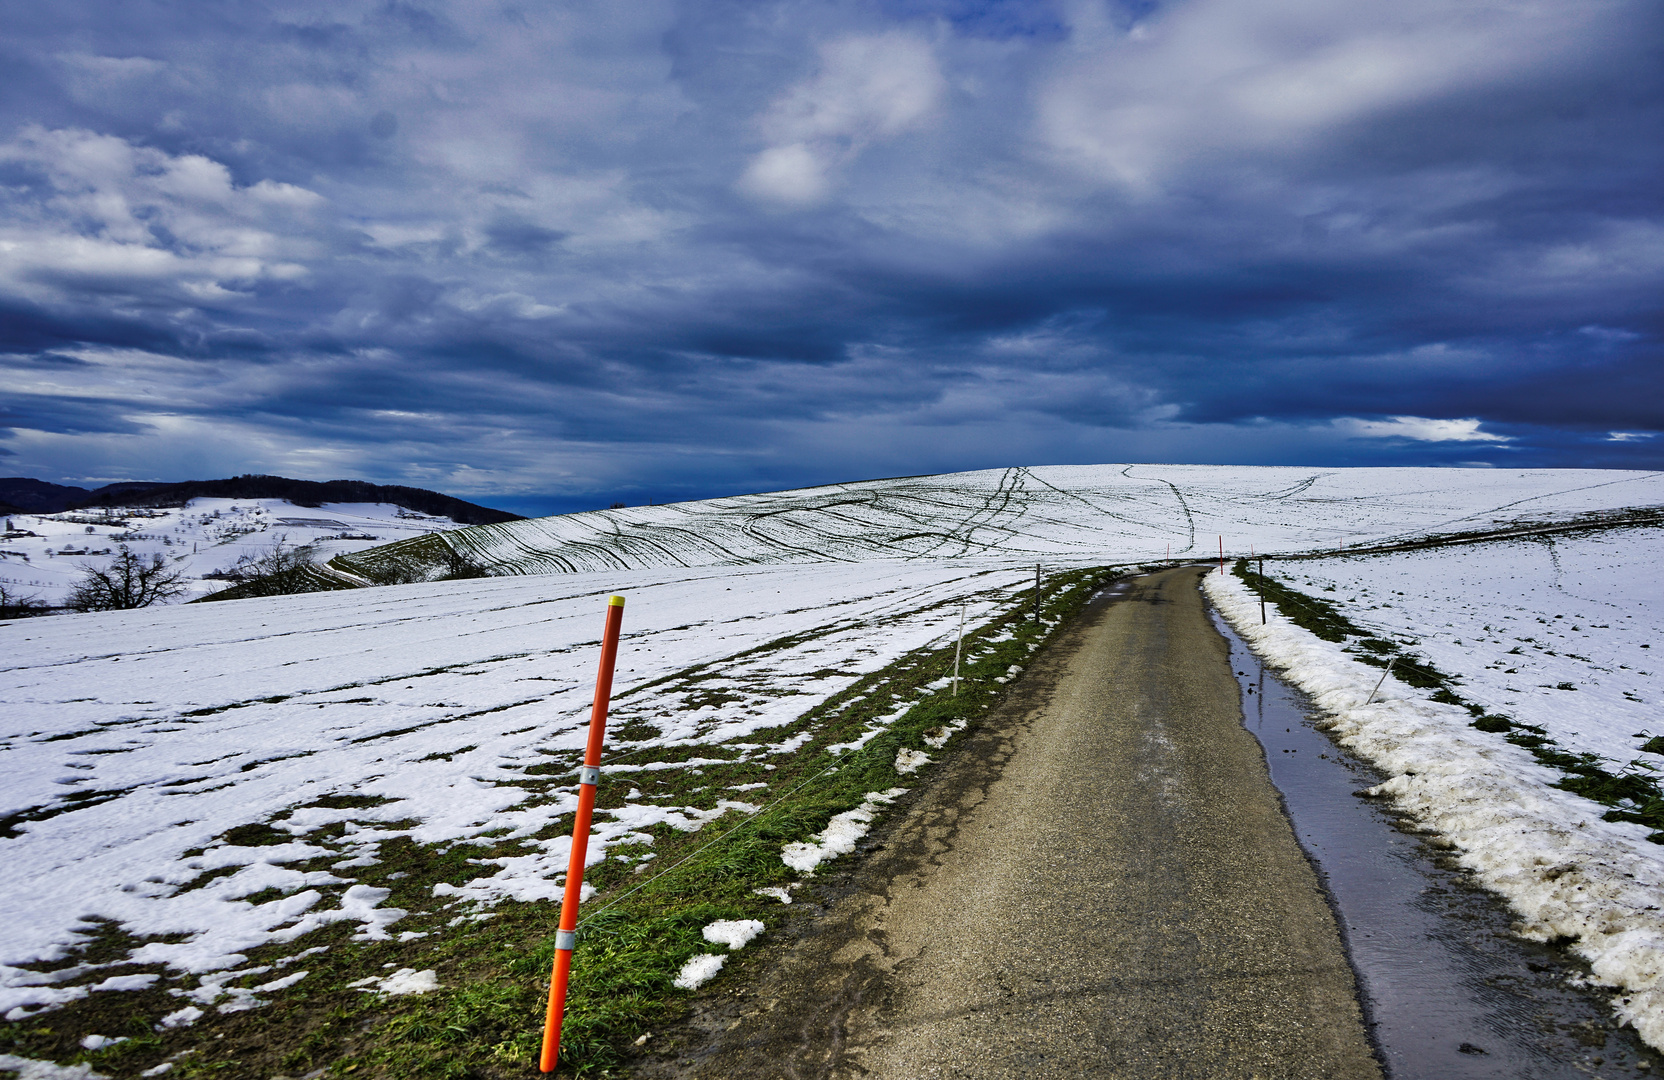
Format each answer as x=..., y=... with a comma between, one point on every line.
x=1102, y=884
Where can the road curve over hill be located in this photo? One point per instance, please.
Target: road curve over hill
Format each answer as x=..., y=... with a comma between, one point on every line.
x=1102, y=883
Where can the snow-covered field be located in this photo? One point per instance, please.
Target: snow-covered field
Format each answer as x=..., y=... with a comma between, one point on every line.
x=1559, y=633
x=1564, y=632
x=42, y=555
x=133, y=743
x=1059, y=513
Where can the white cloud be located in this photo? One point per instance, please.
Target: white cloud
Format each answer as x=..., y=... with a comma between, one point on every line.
x=1216, y=78
x=1417, y=428
x=867, y=89
x=791, y=174
x=1609, y=335
x=1629, y=436
x=116, y=215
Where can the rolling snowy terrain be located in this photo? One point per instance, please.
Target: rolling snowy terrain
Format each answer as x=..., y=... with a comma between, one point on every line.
x=1563, y=632
x=1057, y=514
x=42, y=555
x=218, y=778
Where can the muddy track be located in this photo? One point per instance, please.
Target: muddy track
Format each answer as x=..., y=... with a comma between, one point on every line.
x=1101, y=882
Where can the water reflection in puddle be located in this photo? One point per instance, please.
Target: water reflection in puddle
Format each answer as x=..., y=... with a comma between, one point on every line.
x=1450, y=994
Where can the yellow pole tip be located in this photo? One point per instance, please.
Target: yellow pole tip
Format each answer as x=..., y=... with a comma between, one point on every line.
x=615, y=601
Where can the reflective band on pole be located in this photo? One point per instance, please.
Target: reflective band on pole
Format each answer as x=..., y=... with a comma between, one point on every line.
x=588, y=776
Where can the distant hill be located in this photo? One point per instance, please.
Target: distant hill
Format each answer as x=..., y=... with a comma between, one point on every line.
x=21, y=495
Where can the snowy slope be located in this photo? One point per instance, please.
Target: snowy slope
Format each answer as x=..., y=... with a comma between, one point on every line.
x=130, y=740
x=43, y=555
x=1087, y=513
x=1565, y=632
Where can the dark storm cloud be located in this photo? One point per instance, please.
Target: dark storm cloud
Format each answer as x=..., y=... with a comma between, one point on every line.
x=678, y=248
x=63, y=415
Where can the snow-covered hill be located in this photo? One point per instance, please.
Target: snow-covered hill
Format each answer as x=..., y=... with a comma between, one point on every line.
x=42, y=555
x=1075, y=514
x=1563, y=632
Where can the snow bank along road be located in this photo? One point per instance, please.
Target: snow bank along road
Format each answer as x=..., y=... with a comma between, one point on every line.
x=1560, y=634
x=1103, y=884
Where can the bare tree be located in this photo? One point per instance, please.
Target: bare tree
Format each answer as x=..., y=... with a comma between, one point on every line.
x=280, y=570
x=458, y=565
x=129, y=581
x=14, y=605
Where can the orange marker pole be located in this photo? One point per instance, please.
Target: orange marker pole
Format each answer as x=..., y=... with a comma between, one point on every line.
x=588, y=776
x=1221, y=556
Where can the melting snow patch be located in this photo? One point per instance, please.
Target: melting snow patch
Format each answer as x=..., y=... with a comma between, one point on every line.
x=281, y=984
x=936, y=738
x=30, y=1069
x=1567, y=872
x=875, y=726
x=782, y=893
x=99, y=1042
x=185, y=1017
x=911, y=761
x=699, y=970
x=734, y=933
x=402, y=981
x=840, y=834
x=127, y=982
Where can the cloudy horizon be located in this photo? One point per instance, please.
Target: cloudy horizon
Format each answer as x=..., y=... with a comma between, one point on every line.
x=548, y=259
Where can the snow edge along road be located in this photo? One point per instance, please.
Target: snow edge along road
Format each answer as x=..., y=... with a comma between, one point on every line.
x=1569, y=874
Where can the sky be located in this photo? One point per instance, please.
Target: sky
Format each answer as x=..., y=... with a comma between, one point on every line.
x=552, y=256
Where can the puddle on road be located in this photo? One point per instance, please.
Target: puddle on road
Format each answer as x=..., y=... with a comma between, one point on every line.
x=1449, y=992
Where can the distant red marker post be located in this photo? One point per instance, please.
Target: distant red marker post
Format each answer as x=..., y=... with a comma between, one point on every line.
x=588, y=776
